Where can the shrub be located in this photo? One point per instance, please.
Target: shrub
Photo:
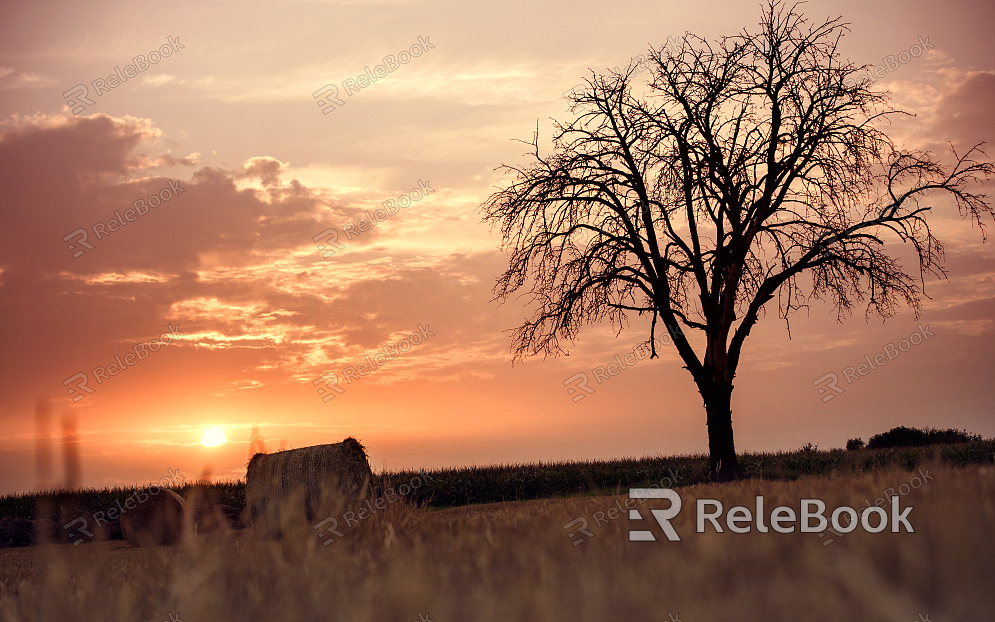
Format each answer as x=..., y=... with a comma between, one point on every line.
x=914, y=437
x=854, y=444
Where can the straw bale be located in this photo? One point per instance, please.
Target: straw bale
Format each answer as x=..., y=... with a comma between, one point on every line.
x=339, y=468
x=157, y=520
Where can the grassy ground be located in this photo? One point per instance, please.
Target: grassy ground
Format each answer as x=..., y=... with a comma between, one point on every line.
x=444, y=488
x=515, y=561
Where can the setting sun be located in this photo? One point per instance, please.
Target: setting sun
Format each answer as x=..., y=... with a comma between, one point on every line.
x=212, y=437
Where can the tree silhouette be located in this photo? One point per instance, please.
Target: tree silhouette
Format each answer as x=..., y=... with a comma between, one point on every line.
x=740, y=167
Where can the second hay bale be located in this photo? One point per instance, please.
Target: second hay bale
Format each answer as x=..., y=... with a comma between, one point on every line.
x=157, y=520
x=270, y=479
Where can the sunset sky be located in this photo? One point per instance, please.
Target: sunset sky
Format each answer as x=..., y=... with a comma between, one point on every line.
x=230, y=118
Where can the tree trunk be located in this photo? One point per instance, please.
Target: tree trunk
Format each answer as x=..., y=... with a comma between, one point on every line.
x=722, y=464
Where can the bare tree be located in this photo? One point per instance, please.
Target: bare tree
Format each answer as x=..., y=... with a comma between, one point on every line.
x=741, y=166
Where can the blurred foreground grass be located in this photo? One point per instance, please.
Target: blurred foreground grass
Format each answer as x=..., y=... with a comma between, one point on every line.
x=514, y=561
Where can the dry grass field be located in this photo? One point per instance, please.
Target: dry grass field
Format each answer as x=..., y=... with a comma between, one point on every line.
x=515, y=561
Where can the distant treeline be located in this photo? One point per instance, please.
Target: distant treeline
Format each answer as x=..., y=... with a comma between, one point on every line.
x=467, y=485
x=459, y=486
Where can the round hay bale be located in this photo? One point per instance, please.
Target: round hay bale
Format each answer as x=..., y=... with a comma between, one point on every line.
x=272, y=478
x=155, y=521
x=209, y=517
x=47, y=530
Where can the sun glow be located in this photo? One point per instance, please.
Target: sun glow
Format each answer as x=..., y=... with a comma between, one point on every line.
x=213, y=437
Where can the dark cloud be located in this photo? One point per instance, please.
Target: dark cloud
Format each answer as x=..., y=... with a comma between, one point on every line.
x=236, y=266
